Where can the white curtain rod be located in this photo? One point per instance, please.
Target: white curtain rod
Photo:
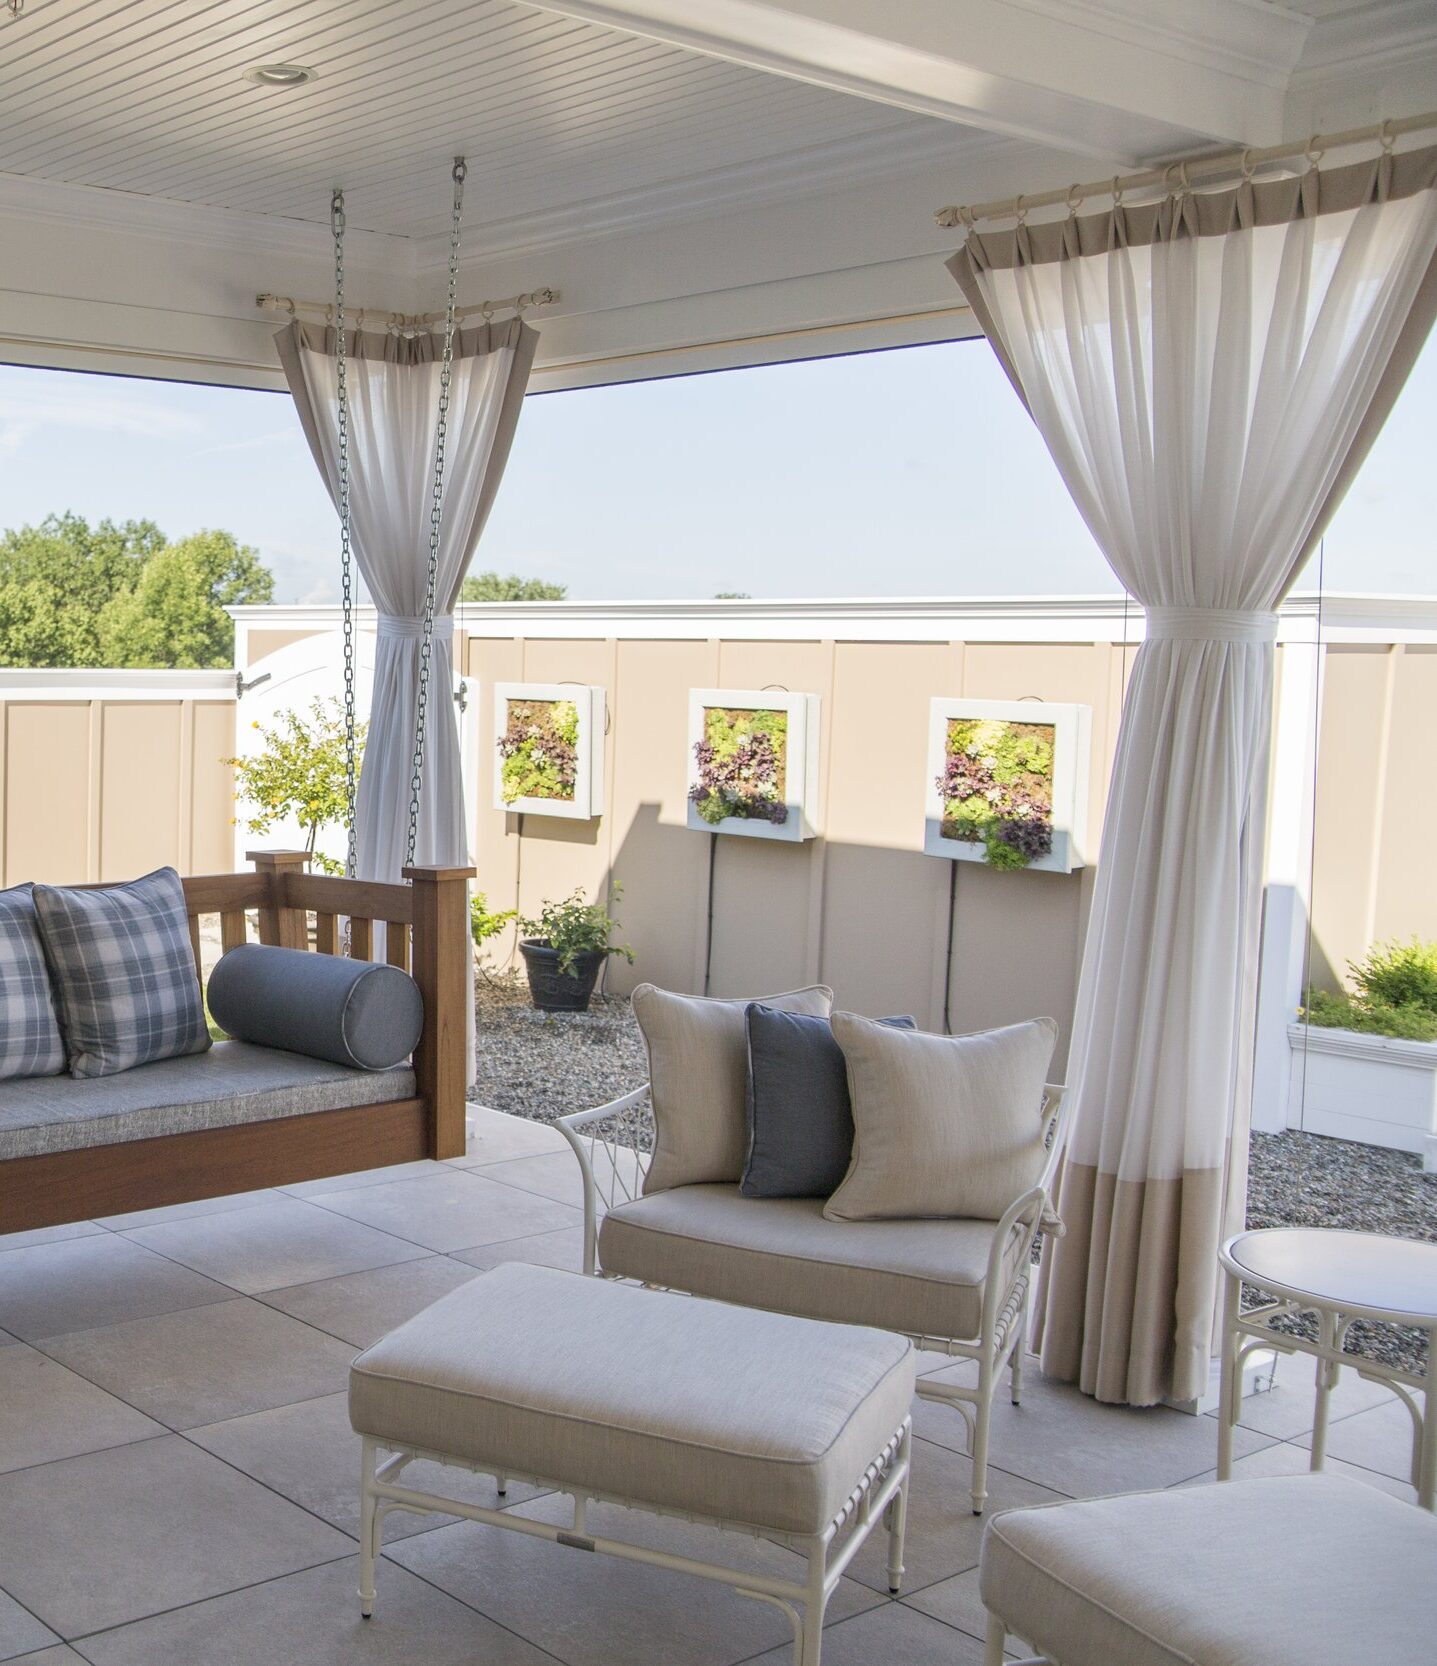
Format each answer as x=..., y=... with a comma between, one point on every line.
x=1187, y=170
x=405, y=323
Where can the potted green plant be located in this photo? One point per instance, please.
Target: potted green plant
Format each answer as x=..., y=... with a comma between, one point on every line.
x=564, y=948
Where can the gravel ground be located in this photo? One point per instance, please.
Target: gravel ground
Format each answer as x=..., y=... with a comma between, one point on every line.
x=542, y=1065
x=1309, y=1180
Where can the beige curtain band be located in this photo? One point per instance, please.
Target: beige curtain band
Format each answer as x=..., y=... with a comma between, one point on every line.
x=1276, y=202
x=1209, y=624
x=471, y=342
x=402, y=624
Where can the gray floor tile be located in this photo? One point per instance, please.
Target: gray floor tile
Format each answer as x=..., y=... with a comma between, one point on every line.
x=943, y=1533
x=361, y=1307
x=95, y=1541
x=312, y=1619
x=894, y=1633
x=48, y=1235
x=20, y=1632
x=563, y=1249
x=1285, y=1458
x=1072, y=1443
x=53, y=1288
x=187, y=1211
x=209, y=1363
x=454, y=1211
x=47, y=1412
x=955, y=1601
x=59, y=1655
x=494, y=1136
x=1285, y=1410
x=419, y=1170
x=278, y=1244
x=1380, y=1439
x=600, y=1611
x=555, y=1175
x=310, y=1454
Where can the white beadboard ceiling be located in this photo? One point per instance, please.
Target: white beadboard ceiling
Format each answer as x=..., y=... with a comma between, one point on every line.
x=147, y=96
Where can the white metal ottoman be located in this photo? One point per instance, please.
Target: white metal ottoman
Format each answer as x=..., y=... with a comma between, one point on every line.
x=1293, y=1570
x=784, y=1428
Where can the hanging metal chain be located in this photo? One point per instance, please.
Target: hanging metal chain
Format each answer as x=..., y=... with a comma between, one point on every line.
x=436, y=514
x=346, y=560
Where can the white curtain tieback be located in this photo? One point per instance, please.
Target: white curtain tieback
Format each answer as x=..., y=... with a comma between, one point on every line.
x=1210, y=624
x=401, y=624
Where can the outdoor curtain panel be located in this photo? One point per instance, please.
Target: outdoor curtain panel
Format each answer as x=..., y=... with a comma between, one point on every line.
x=393, y=412
x=1208, y=373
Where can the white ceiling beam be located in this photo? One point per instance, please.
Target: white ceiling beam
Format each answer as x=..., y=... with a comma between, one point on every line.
x=1125, y=79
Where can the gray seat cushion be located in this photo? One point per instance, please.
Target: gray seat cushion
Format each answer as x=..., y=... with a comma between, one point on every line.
x=232, y=1082
x=741, y=1416
x=922, y=1277
x=1297, y=1570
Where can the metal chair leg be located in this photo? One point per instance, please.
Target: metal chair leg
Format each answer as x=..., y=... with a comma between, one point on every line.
x=997, y=1637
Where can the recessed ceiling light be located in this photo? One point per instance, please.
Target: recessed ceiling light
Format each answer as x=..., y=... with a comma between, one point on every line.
x=280, y=75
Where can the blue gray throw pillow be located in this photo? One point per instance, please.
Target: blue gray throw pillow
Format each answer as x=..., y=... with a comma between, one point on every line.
x=123, y=972
x=30, y=1041
x=800, y=1122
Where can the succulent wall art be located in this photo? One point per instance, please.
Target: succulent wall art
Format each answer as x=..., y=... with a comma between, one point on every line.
x=753, y=763
x=1008, y=783
x=544, y=744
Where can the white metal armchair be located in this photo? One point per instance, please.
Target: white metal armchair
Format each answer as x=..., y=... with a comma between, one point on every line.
x=955, y=1287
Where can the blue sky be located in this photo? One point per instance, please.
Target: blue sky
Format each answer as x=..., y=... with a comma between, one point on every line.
x=905, y=473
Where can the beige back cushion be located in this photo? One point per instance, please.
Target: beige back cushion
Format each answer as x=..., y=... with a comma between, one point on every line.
x=944, y=1126
x=698, y=1071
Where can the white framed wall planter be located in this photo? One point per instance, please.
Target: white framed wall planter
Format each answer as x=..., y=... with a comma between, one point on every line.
x=753, y=763
x=1008, y=783
x=549, y=749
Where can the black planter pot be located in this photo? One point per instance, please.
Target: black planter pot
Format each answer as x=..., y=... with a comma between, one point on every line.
x=556, y=991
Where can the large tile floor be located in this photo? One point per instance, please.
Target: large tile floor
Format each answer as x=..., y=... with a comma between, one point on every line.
x=178, y=1476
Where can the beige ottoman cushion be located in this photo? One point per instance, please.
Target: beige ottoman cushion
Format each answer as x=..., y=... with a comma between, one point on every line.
x=1297, y=1570
x=742, y=1416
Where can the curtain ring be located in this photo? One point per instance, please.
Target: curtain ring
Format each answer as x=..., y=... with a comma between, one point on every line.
x=486, y=312
x=1117, y=189
x=1075, y=201
x=1249, y=167
x=1315, y=152
x=1388, y=137
x=1020, y=208
x=965, y=218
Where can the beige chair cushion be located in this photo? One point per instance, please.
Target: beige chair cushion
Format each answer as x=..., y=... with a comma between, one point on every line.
x=698, y=1075
x=943, y=1126
x=741, y=1416
x=1297, y=1570
x=921, y=1277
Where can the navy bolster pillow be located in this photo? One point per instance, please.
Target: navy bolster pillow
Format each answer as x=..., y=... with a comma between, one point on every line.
x=355, y=1012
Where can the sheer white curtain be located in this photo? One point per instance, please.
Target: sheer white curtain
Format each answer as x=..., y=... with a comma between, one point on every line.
x=1207, y=372
x=393, y=386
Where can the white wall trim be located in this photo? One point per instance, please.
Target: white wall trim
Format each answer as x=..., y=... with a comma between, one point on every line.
x=50, y=683
x=1352, y=1044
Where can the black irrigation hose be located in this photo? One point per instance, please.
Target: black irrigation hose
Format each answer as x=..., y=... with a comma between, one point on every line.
x=709, y=930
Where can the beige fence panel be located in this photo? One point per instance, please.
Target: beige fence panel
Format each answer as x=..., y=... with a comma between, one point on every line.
x=108, y=774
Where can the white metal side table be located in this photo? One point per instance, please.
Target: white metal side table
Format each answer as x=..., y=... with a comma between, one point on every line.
x=1338, y=1276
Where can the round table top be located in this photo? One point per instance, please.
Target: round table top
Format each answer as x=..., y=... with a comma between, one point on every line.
x=1342, y=1270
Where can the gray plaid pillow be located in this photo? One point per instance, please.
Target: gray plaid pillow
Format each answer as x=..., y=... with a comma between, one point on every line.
x=30, y=1043
x=123, y=972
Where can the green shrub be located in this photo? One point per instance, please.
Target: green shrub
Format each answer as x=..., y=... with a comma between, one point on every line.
x=1396, y=994
x=1398, y=975
x=482, y=924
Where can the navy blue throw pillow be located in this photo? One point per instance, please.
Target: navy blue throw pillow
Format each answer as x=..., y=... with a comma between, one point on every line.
x=800, y=1121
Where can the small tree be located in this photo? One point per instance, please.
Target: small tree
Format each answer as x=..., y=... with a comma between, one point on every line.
x=510, y=587
x=300, y=773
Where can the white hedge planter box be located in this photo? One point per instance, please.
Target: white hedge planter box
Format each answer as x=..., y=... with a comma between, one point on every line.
x=585, y=799
x=1071, y=738
x=799, y=788
x=1371, y=1088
